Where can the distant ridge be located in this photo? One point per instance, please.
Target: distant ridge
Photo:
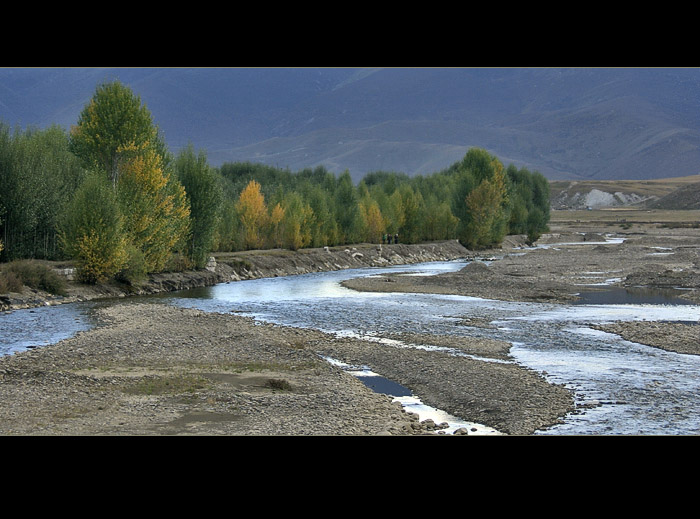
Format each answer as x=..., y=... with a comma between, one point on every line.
x=687, y=198
x=670, y=193
x=569, y=124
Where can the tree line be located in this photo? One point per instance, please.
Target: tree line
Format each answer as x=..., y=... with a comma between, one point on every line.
x=109, y=195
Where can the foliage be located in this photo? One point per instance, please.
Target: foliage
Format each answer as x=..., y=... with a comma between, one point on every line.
x=154, y=205
x=38, y=176
x=91, y=231
x=33, y=274
x=252, y=214
x=9, y=282
x=111, y=125
x=110, y=195
x=476, y=200
x=204, y=196
x=296, y=216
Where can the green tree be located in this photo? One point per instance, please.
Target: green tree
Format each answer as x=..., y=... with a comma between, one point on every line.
x=296, y=220
x=413, y=206
x=90, y=231
x=111, y=125
x=483, y=211
x=348, y=214
x=38, y=176
x=204, y=196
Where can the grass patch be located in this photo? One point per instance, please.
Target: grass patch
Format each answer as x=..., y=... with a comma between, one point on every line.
x=280, y=384
x=257, y=367
x=168, y=385
x=32, y=274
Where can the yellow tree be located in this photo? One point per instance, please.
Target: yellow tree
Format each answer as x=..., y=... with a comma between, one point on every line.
x=375, y=221
x=154, y=205
x=253, y=216
x=276, y=234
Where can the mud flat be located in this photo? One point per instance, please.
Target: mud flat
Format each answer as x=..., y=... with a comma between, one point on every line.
x=154, y=369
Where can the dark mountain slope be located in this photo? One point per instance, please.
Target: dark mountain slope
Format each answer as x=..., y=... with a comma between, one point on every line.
x=566, y=123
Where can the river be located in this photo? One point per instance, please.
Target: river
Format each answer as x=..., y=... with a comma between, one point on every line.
x=632, y=389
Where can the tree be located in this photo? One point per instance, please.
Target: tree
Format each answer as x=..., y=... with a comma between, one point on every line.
x=112, y=124
x=375, y=221
x=154, y=205
x=347, y=210
x=90, y=231
x=412, y=205
x=204, y=197
x=38, y=176
x=296, y=230
x=252, y=213
x=483, y=212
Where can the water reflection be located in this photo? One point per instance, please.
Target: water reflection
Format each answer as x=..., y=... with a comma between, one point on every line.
x=24, y=329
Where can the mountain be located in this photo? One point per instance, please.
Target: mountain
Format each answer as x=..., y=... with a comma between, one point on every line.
x=568, y=124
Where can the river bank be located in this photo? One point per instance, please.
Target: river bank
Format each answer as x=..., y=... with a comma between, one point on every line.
x=237, y=266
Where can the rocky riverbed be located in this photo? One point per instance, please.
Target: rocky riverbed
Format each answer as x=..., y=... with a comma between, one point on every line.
x=152, y=369
x=569, y=265
x=159, y=370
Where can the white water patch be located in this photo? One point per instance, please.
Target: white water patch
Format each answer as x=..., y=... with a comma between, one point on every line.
x=605, y=283
x=599, y=314
x=591, y=332
x=424, y=412
x=371, y=337
x=413, y=404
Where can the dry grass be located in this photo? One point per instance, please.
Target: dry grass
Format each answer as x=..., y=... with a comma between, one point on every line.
x=626, y=215
x=656, y=187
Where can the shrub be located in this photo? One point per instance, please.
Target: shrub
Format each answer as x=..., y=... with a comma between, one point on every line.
x=34, y=275
x=281, y=384
x=134, y=270
x=9, y=282
x=91, y=231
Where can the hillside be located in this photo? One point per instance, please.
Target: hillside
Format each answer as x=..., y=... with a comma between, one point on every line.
x=569, y=124
x=669, y=193
x=686, y=198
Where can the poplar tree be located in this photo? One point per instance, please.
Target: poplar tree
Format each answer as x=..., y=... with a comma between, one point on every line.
x=155, y=208
x=204, y=196
x=91, y=231
x=252, y=213
x=112, y=123
x=115, y=136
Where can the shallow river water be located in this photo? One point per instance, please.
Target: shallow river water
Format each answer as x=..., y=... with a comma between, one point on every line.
x=634, y=389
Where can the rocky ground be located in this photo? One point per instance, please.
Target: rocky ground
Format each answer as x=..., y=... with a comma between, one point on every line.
x=157, y=370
